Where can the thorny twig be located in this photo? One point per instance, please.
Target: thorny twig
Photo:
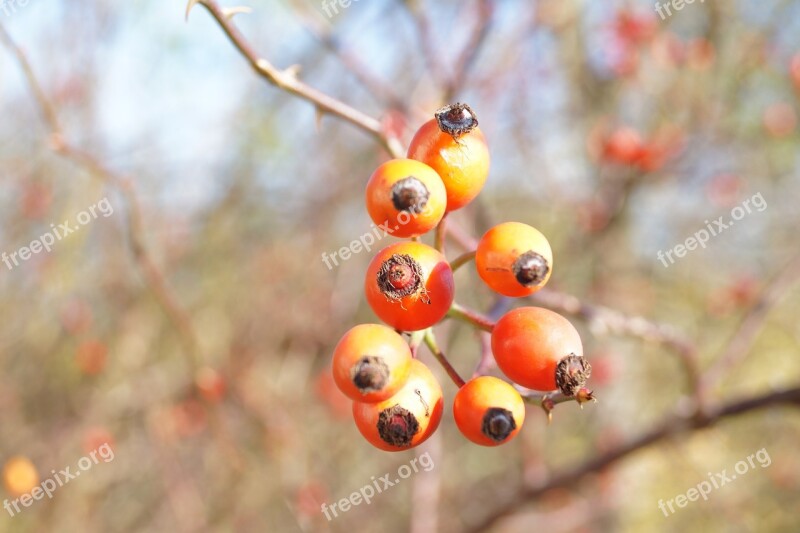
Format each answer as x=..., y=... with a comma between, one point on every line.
x=671, y=426
x=288, y=81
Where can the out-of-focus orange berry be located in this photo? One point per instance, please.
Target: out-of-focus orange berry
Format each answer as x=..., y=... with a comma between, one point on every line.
x=95, y=437
x=210, y=384
x=634, y=27
x=91, y=357
x=189, y=418
x=700, y=54
x=20, y=476
x=36, y=200
x=624, y=146
x=794, y=70
x=780, y=119
x=340, y=405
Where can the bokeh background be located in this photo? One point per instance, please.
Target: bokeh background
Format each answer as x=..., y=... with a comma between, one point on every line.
x=192, y=328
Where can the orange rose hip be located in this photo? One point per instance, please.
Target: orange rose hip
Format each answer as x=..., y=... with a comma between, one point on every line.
x=409, y=285
x=406, y=197
x=514, y=259
x=371, y=363
x=453, y=145
x=488, y=411
x=541, y=350
x=406, y=419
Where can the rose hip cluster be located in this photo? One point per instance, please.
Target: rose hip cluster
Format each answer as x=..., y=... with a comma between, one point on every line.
x=397, y=402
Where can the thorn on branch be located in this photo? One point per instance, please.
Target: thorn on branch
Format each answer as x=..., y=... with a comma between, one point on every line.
x=230, y=12
x=190, y=5
x=548, y=405
x=293, y=71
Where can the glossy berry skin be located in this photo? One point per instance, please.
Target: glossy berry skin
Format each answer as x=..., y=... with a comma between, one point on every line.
x=514, y=259
x=462, y=160
x=406, y=197
x=488, y=411
x=529, y=344
x=409, y=285
x=406, y=419
x=371, y=363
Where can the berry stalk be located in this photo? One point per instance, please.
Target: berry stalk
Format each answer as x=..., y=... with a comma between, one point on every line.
x=430, y=342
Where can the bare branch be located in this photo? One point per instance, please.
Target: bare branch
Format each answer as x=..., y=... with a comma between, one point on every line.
x=380, y=89
x=671, y=426
x=429, y=52
x=742, y=340
x=287, y=81
x=471, y=50
x=430, y=341
x=621, y=324
x=464, y=314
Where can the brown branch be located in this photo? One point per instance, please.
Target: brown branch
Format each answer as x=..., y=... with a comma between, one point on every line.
x=439, y=234
x=154, y=278
x=464, y=314
x=380, y=89
x=45, y=106
x=430, y=341
x=287, y=80
x=471, y=50
x=487, y=362
x=672, y=426
x=621, y=324
x=751, y=324
x=462, y=260
x=464, y=240
x=425, y=31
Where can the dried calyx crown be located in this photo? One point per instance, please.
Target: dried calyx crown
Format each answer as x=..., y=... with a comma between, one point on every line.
x=498, y=424
x=369, y=374
x=530, y=269
x=456, y=119
x=397, y=426
x=572, y=373
x=400, y=276
x=410, y=194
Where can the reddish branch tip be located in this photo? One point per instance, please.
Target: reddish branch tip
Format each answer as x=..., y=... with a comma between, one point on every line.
x=369, y=374
x=409, y=194
x=399, y=276
x=530, y=269
x=397, y=426
x=571, y=374
x=456, y=119
x=498, y=424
